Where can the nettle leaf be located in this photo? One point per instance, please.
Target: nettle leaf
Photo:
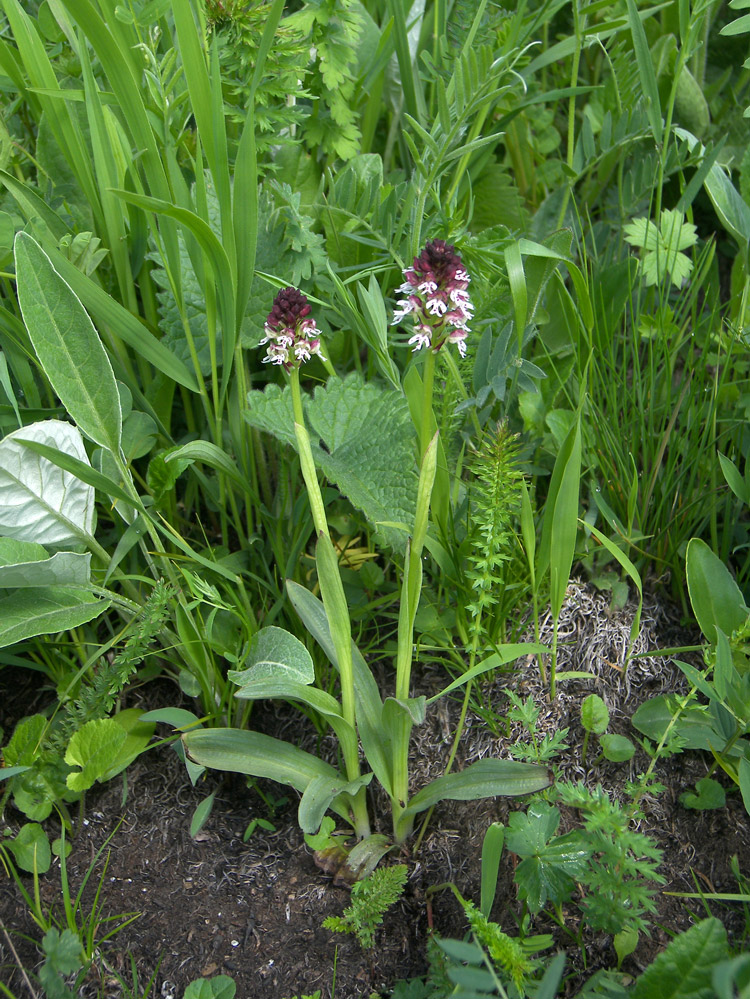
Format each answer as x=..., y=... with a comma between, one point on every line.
x=684, y=970
x=367, y=439
x=39, y=501
x=368, y=436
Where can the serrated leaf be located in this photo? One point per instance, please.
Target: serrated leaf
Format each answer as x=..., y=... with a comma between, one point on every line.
x=24, y=744
x=63, y=951
x=369, y=440
x=368, y=444
x=683, y=970
x=41, y=502
x=105, y=746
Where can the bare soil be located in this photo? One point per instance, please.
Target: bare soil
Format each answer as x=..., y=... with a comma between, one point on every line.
x=253, y=910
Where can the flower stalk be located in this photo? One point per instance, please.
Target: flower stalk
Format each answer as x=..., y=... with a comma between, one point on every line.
x=292, y=340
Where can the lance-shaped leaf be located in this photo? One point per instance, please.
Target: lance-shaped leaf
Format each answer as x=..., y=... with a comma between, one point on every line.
x=67, y=345
x=484, y=779
x=38, y=501
x=45, y=610
x=258, y=755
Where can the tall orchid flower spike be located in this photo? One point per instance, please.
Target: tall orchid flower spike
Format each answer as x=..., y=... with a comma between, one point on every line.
x=291, y=334
x=436, y=296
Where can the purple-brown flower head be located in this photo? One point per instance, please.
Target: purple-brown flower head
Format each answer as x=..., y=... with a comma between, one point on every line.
x=436, y=296
x=292, y=336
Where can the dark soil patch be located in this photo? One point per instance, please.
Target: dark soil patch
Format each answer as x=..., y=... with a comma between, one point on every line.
x=216, y=905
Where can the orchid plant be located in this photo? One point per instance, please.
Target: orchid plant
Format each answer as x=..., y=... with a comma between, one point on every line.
x=278, y=665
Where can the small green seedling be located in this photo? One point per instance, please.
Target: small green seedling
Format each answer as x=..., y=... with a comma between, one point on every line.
x=595, y=718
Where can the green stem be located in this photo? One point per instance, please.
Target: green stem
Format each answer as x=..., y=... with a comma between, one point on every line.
x=553, y=662
x=425, y=430
x=334, y=601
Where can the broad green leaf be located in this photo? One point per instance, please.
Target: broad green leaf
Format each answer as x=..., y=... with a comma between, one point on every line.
x=31, y=849
x=176, y=717
x=492, y=849
x=105, y=746
x=708, y=794
x=560, y=523
x=40, y=502
x=320, y=794
x=484, y=779
x=256, y=755
x=67, y=345
x=694, y=725
x=46, y=611
x=616, y=748
x=221, y=987
x=273, y=653
x=202, y=814
x=23, y=745
x=743, y=773
x=25, y=563
x=594, y=714
x=715, y=597
x=684, y=969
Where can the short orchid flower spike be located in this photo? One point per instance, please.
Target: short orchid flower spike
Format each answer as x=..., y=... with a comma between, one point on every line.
x=436, y=296
x=291, y=335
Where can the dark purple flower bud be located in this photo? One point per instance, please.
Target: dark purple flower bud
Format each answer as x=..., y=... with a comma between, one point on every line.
x=436, y=296
x=291, y=336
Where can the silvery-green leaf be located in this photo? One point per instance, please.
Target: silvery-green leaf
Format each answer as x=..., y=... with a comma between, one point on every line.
x=24, y=563
x=38, y=500
x=275, y=653
x=67, y=345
